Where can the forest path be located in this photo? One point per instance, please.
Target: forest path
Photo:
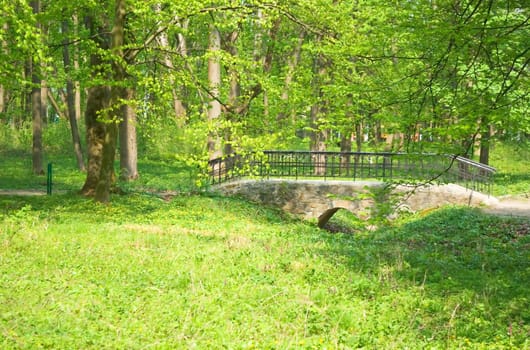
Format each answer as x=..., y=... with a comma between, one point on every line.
x=510, y=206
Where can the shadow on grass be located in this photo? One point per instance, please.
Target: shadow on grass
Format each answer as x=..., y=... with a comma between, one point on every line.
x=481, y=261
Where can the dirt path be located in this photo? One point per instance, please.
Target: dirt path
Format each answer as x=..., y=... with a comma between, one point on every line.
x=22, y=193
x=510, y=206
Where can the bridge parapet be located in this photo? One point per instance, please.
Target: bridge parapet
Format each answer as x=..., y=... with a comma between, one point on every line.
x=355, y=166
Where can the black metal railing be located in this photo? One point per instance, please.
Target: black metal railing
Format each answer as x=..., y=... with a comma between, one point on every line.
x=354, y=166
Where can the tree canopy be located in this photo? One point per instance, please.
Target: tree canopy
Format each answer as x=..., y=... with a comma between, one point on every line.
x=230, y=76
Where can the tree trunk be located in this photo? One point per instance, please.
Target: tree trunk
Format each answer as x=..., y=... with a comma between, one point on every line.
x=107, y=176
x=345, y=159
x=178, y=105
x=3, y=97
x=2, y=100
x=318, y=137
x=55, y=105
x=291, y=67
x=234, y=95
x=71, y=102
x=44, y=100
x=77, y=85
x=110, y=121
x=214, y=79
x=317, y=141
x=36, y=109
x=128, y=145
x=98, y=99
x=485, y=138
x=102, y=102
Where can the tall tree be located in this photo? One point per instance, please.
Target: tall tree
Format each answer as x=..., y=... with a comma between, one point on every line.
x=36, y=106
x=71, y=99
x=214, y=80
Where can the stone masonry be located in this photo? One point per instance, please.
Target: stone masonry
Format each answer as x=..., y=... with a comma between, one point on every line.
x=317, y=199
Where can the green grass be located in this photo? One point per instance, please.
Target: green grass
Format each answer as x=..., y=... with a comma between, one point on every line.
x=209, y=272
x=513, y=168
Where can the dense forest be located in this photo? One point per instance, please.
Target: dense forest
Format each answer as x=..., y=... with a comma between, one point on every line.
x=204, y=79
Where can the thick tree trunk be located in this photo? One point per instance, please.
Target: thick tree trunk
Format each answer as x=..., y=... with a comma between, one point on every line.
x=214, y=79
x=107, y=176
x=71, y=103
x=110, y=121
x=128, y=145
x=98, y=98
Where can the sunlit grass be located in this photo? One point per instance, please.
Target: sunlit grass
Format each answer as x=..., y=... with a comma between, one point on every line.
x=513, y=168
x=211, y=272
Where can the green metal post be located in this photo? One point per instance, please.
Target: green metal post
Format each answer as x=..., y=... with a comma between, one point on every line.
x=49, y=182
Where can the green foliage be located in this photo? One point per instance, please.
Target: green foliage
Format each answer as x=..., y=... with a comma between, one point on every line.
x=209, y=272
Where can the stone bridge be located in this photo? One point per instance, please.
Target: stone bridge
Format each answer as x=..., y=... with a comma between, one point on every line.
x=317, y=199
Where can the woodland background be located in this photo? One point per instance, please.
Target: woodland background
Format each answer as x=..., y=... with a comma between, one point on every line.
x=196, y=80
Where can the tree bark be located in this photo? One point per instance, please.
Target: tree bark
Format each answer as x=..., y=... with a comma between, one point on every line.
x=71, y=102
x=128, y=144
x=98, y=98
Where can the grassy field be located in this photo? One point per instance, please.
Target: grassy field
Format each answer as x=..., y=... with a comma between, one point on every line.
x=209, y=272
x=181, y=269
